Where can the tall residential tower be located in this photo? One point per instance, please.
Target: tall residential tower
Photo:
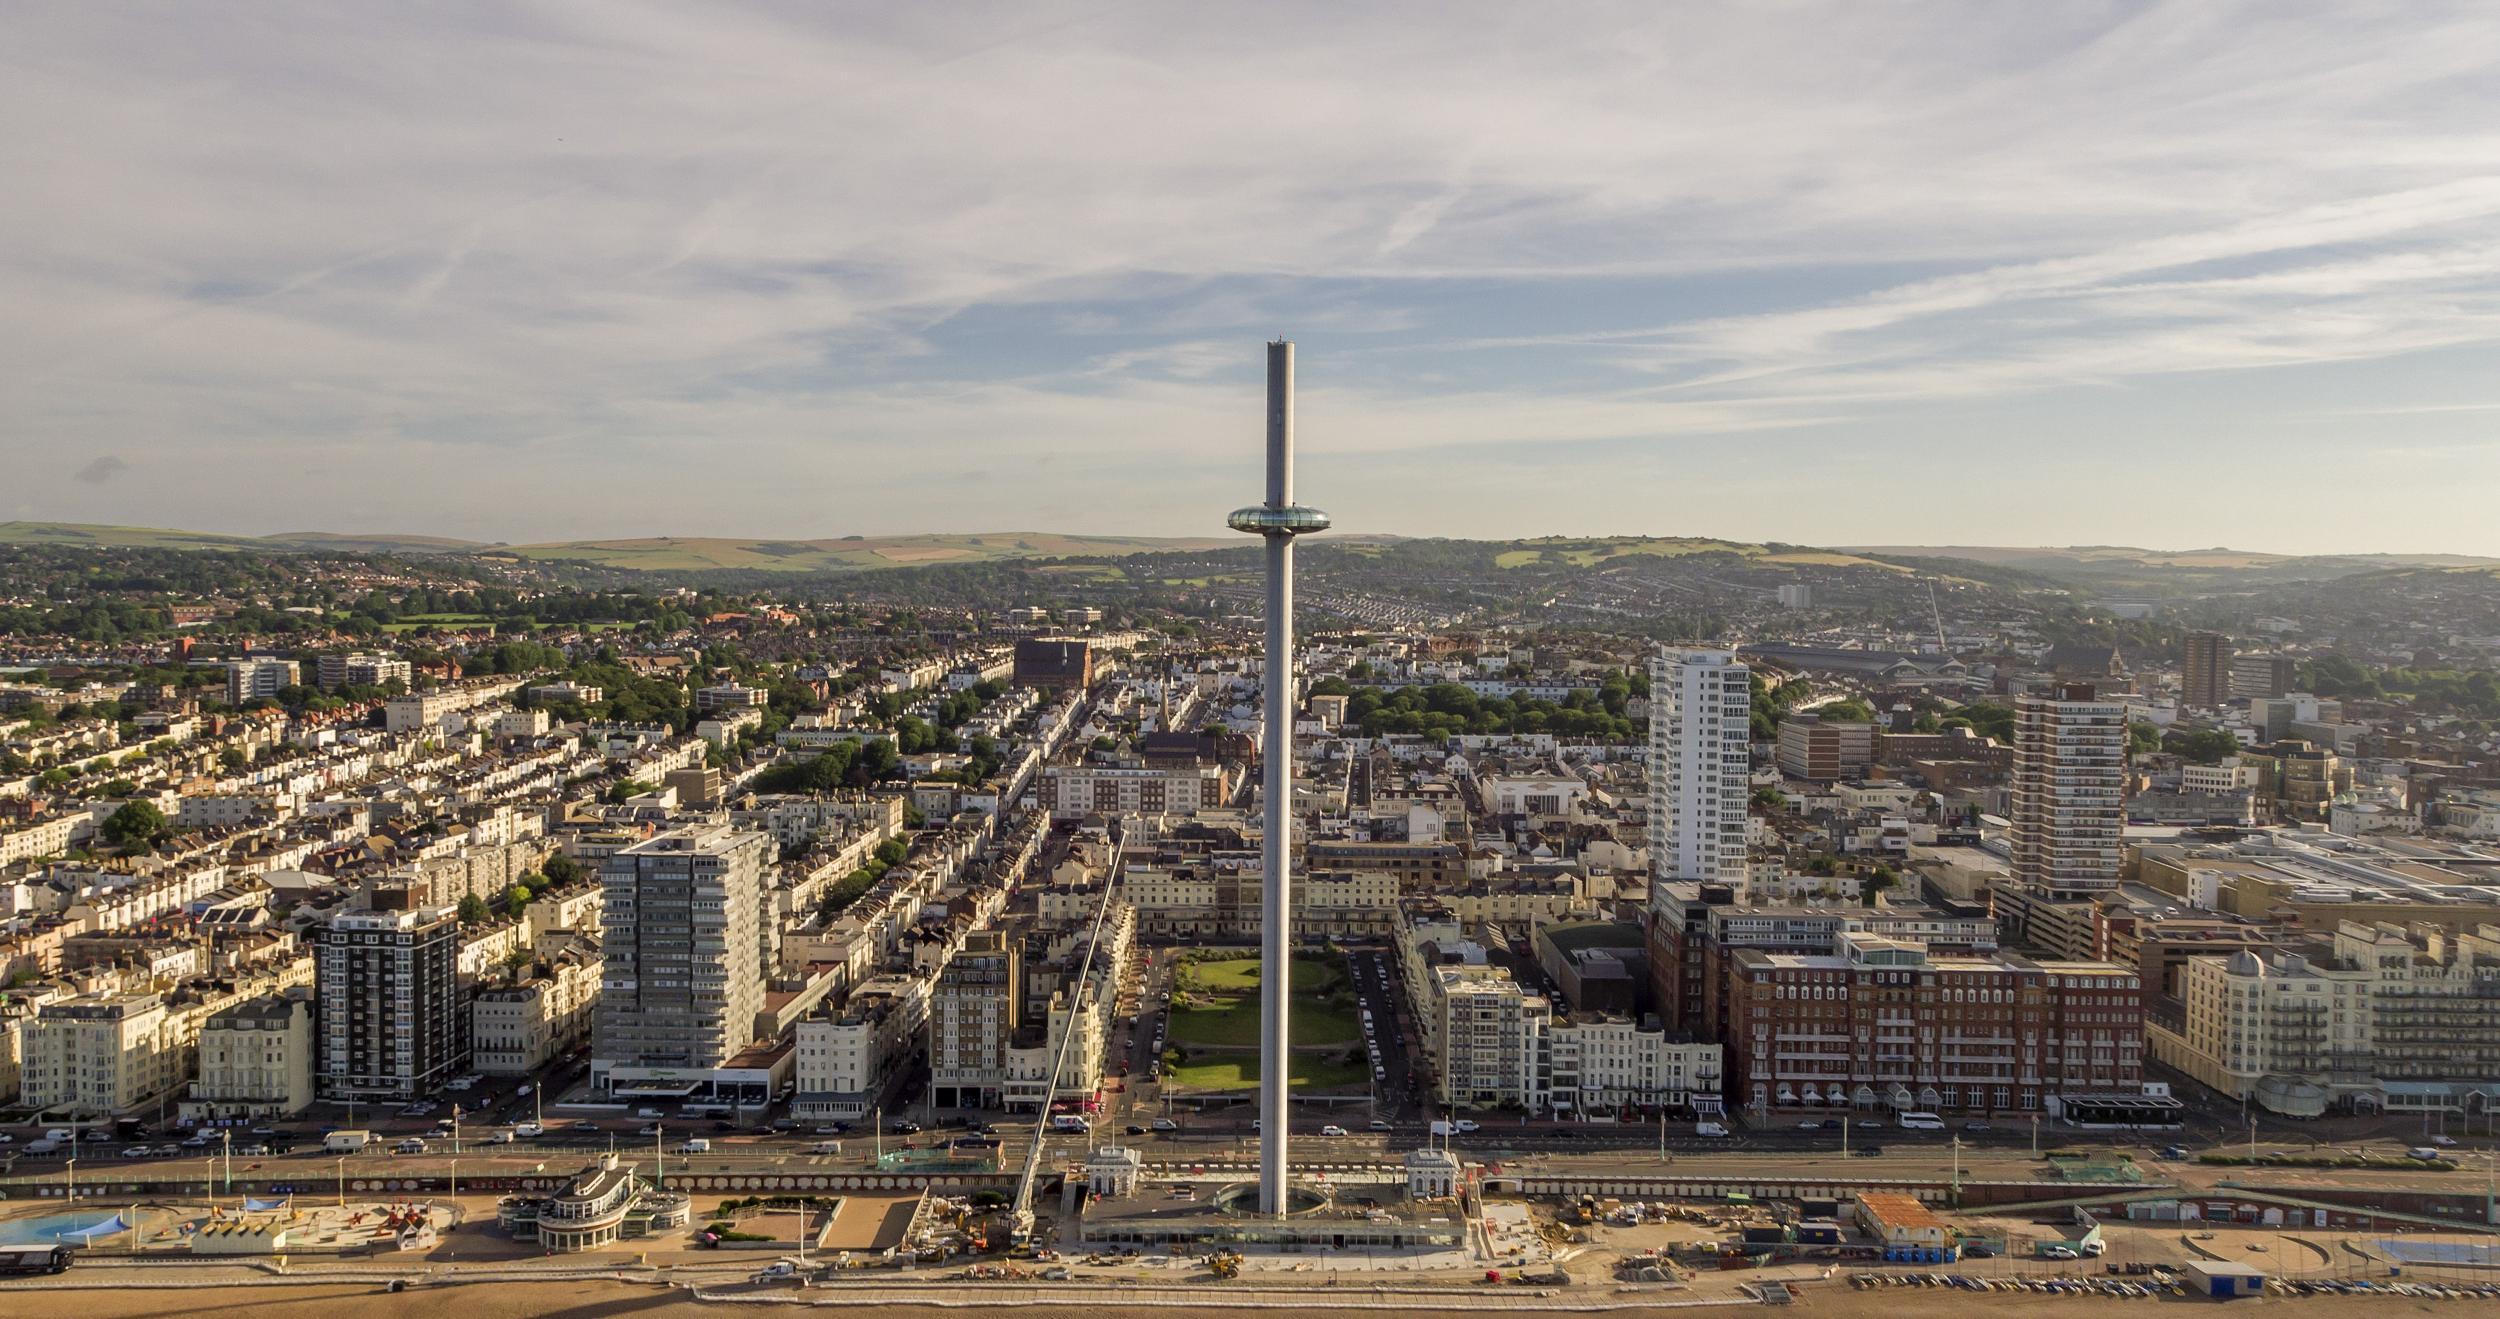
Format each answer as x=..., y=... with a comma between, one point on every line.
x=684, y=971
x=1700, y=711
x=2070, y=779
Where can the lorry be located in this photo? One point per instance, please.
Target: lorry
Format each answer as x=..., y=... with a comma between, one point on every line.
x=346, y=1142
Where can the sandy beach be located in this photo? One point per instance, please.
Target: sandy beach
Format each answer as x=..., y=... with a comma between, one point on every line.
x=602, y=1300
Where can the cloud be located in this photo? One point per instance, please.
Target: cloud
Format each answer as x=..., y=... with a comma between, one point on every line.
x=102, y=469
x=606, y=246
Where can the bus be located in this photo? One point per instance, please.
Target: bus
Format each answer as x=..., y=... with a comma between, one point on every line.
x=1922, y=1122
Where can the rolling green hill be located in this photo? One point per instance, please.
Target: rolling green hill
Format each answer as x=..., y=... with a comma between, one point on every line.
x=850, y=554
x=159, y=538
x=2129, y=569
x=1588, y=553
x=135, y=538
x=655, y=553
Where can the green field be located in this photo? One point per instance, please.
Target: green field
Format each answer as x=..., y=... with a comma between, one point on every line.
x=412, y=622
x=1240, y=1071
x=1224, y=1011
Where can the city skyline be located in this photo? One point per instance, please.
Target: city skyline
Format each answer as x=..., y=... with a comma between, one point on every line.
x=1753, y=276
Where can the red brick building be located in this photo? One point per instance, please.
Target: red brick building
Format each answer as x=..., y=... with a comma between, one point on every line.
x=1881, y=1027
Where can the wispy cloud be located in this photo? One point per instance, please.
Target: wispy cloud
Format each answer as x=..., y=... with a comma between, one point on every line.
x=604, y=246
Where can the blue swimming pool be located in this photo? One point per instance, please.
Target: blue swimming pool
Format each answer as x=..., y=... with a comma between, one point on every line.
x=2441, y=1252
x=74, y=1229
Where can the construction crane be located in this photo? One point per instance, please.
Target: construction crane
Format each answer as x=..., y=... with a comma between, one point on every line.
x=1937, y=613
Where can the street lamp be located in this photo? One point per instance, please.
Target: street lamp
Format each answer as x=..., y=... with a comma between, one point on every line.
x=73, y=1177
x=342, y=1181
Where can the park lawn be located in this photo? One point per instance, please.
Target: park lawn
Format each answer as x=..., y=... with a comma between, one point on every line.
x=1240, y=975
x=1226, y=1011
x=1234, y=1022
x=1241, y=1072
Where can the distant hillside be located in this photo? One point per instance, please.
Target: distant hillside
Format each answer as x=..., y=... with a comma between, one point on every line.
x=159, y=538
x=1550, y=551
x=850, y=554
x=652, y=554
x=2129, y=569
x=134, y=538
x=377, y=543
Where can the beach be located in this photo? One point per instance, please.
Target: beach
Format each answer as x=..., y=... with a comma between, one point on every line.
x=604, y=1300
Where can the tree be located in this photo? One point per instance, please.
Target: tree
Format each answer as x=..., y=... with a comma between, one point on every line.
x=560, y=869
x=2143, y=738
x=517, y=901
x=136, y=824
x=473, y=909
x=2205, y=746
x=1846, y=710
x=232, y=758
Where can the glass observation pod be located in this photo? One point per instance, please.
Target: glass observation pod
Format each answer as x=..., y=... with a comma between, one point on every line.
x=1293, y=520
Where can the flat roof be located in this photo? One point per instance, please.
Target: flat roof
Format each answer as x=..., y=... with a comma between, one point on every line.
x=1894, y=1209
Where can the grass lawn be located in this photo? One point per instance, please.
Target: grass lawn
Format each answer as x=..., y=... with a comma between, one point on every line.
x=1240, y=1071
x=1234, y=1022
x=1226, y=1010
x=1240, y=975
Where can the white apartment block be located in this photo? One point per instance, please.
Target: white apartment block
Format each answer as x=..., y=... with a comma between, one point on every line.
x=845, y=1059
x=255, y=1060
x=1605, y=1063
x=98, y=1055
x=48, y=837
x=1072, y=792
x=332, y=672
x=1491, y=1039
x=517, y=1029
x=2386, y=1018
x=1700, y=708
x=250, y=679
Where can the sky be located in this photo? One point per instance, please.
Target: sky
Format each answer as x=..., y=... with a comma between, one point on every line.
x=2171, y=275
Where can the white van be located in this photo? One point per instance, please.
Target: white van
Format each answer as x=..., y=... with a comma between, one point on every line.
x=1921, y=1122
x=1713, y=1130
x=698, y=1145
x=1071, y=1122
